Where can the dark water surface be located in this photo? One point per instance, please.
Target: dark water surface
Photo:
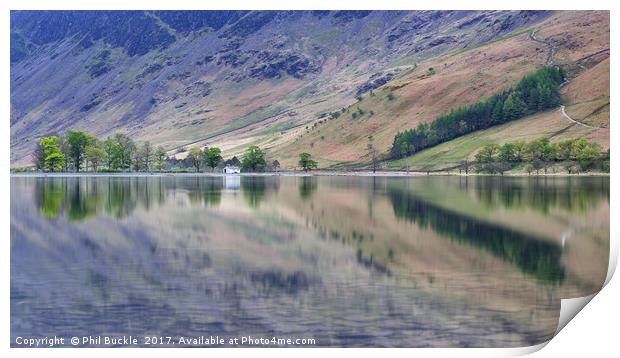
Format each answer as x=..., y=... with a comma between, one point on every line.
x=347, y=261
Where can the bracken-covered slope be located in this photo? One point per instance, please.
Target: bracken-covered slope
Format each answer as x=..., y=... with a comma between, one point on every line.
x=235, y=78
x=576, y=40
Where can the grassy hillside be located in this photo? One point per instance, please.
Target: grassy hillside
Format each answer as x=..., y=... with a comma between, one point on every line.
x=551, y=124
x=587, y=96
x=578, y=41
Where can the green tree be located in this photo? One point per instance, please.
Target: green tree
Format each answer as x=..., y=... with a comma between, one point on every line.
x=212, y=157
x=605, y=166
x=143, y=157
x=507, y=153
x=520, y=148
x=112, y=153
x=146, y=154
x=541, y=153
x=54, y=159
x=195, y=157
x=125, y=151
x=578, y=145
x=78, y=141
x=533, y=99
x=94, y=155
x=588, y=156
x=253, y=159
x=514, y=106
x=497, y=114
x=306, y=163
x=160, y=158
x=565, y=150
x=535, y=150
x=549, y=151
x=488, y=153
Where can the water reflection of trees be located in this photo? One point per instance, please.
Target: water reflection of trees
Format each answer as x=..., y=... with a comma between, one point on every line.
x=542, y=194
x=255, y=189
x=203, y=190
x=49, y=197
x=307, y=187
x=530, y=254
x=81, y=198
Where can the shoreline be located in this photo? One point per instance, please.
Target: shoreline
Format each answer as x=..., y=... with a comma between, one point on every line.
x=302, y=174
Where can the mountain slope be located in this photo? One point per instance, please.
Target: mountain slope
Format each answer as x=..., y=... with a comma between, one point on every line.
x=578, y=41
x=229, y=78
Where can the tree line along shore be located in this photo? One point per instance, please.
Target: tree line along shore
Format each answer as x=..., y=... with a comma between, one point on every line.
x=79, y=151
x=571, y=156
x=82, y=152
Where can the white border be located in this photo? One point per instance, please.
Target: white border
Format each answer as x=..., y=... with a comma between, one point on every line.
x=593, y=332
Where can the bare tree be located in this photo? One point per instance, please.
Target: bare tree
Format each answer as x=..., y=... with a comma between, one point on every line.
x=147, y=155
x=372, y=152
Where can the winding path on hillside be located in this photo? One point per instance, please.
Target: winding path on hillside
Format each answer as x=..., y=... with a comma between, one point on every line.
x=549, y=61
x=563, y=111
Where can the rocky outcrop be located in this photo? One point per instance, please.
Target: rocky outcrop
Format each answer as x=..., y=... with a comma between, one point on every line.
x=375, y=81
x=276, y=65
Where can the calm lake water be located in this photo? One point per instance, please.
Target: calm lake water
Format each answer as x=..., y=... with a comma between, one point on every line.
x=348, y=261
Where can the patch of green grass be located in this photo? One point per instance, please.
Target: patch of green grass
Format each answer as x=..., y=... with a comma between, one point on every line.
x=445, y=154
x=259, y=115
x=280, y=127
x=299, y=93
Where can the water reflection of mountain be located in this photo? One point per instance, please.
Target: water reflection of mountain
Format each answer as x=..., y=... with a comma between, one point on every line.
x=343, y=260
x=532, y=255
x=79, y=198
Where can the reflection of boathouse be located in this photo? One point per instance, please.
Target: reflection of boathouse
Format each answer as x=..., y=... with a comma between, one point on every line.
x=231, y=169
x=232, y=183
